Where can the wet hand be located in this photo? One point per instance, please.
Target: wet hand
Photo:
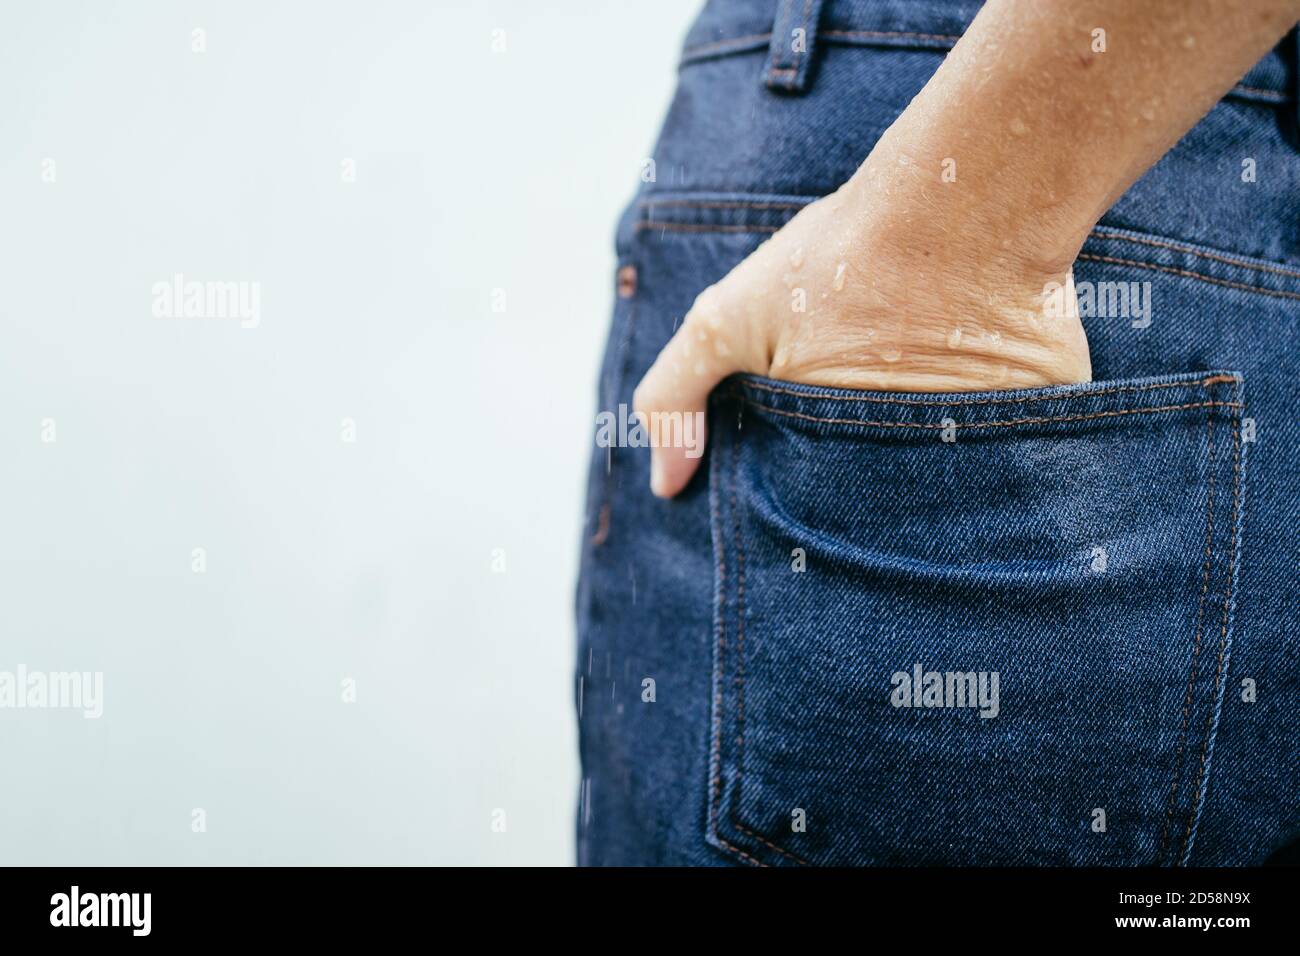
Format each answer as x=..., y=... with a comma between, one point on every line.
x=870, y=288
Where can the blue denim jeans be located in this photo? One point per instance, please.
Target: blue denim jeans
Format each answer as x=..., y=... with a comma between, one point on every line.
x=1052, y=626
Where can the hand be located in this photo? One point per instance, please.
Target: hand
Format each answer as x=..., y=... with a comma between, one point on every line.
x=872, y=287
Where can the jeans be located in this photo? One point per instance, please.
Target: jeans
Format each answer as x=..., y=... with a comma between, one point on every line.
x=1054, y=626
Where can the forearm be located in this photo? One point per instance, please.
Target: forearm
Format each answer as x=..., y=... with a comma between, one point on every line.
x=1029, y=131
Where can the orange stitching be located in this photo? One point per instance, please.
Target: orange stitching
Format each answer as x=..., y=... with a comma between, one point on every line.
x=982, y=401
x=889, y=33
x=1191, y=275
x=1196, y=644
x=1178, y=247
x=696, y=227
x=783, y=16
x=739, y=852
x=1011, y=423
x=769, y=843
x=1223, y=637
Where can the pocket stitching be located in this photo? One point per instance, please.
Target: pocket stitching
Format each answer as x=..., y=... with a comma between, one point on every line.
x=740, y=662
x=1011, y=423
x=1196, y=644
x=720, y=569
x=1228, y=591
x=1213, y=380
x=1233, y=536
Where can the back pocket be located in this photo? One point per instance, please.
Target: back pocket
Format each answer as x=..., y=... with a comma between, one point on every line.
x=970, y=629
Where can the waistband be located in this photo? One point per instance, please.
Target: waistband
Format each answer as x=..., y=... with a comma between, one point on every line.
x=791, y=31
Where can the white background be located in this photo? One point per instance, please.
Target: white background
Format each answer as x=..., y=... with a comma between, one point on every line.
x=326, y=560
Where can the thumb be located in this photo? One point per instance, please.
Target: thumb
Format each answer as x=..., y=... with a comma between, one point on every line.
x=672, y=398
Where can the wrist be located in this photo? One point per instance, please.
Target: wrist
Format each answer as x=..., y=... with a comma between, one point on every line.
x=960, y=300
x=1019, y=235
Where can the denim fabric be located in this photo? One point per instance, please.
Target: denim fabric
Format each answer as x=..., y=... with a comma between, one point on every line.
x=1121, y=555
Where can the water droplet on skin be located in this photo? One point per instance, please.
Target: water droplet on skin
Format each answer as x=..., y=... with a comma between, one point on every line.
x=891, y=355
x=714, y=320
x=701, y=335
x=954, y=338
x=700, y=368
x=721, y=348
x=995, y=339
x=1018, y=127
x=838, y=282
x=1189, y=41
x=796, y=258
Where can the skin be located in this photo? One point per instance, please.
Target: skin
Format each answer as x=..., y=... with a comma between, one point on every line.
x=938, y=266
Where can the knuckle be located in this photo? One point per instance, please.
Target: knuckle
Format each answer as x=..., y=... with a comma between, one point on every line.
x=707, y=307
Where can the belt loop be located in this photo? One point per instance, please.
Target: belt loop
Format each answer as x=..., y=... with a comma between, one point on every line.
x=794, y=35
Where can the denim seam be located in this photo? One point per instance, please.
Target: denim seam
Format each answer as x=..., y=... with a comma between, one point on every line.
x=723, y=204
x=740, y=662
x=700, y=227
x=618, y=374
x=720, y=649
x=739, y=44
x=706, y=49
x=986, y=401
x=1103, y=233
x=754, y=42
x=1206, y=564
x=881, y=34
x=1188, y=274
x=1011, y=423
x=1194, y=814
